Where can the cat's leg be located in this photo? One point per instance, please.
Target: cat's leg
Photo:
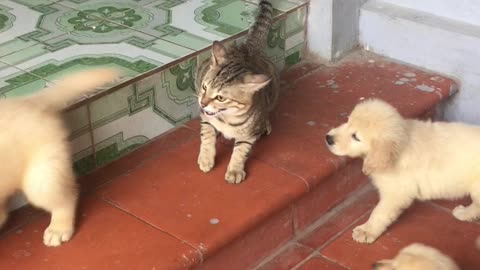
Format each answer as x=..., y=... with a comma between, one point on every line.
x=208, y=137
x=236, y=168
x=471, y=212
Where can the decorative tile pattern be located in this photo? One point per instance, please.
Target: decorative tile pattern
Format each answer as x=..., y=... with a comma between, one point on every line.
x=43, y=40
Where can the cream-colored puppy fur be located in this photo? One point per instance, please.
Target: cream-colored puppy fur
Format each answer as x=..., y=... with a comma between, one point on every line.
x=34, y=151
x=408, y=160
x=417, y=257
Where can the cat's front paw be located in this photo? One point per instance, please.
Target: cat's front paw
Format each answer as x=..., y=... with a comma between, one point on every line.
x=364, y=234
x=205, y=162
x=235, y=176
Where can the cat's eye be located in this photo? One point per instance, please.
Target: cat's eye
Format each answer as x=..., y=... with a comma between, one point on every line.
x=204, y=87
x=220, y=98
x=354, y=136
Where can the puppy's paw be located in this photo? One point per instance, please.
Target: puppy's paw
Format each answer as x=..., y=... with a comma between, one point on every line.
x=206, y=162
x=53, y=237
x=235, y=176
x=363, y=234
x=463, y=213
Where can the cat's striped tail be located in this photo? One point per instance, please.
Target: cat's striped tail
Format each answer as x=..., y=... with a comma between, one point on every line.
x=257, y=36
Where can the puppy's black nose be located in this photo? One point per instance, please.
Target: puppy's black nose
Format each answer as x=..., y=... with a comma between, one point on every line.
x=329, y=140
x=376, y=266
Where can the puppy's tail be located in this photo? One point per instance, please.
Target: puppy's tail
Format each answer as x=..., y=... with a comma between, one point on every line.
x=57, y=97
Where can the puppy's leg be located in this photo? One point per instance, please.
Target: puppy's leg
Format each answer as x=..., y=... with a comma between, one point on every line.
x=49, y=184
x=384, y=214
x=208, y=137
x=471, y=212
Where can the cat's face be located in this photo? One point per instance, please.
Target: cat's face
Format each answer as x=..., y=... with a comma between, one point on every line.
x=228, y=88
x=217, y=98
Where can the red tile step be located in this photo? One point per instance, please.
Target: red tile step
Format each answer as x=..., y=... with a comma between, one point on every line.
x=154, y=209
x=328, y=244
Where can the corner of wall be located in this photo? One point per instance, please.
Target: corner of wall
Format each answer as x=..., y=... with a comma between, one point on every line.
x=333, y=27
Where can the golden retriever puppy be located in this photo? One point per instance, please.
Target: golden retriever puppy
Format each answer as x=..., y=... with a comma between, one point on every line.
x=417, y=257
x=34, y=151
x=408, y=160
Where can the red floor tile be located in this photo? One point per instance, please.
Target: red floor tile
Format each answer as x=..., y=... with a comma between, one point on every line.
x=422, y=223
x=295, y=72
x=248, y=249
x=334, y=190
x=171, y=193
x=317, y=263
x=168, y=205
x=342, y=220
x=193, y=125
x=106, y=238
x=19, y=218
x=290, y=257
x=353, y=80
x=153, y=149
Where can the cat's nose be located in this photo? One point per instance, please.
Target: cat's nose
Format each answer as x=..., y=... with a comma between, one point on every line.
x=204, y=102
x=329, y=139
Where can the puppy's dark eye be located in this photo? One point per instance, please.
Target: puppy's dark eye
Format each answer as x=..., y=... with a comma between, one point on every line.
x=354, y=136
x=220, y=98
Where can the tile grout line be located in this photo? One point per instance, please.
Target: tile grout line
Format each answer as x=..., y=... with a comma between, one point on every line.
x=322, y=220
x=302, y=262
x=316, y=254
x=332, y=260
x=359, y=193
x=337, y=235
x=199, y=253
x=161, y=68
x=305, y=182
x=331, y=240
x=279, y=251
x=446, y=210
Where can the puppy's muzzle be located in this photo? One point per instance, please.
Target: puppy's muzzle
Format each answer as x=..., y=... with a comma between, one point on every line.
x=329, y=139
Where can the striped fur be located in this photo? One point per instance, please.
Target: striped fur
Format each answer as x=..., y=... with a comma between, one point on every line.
x=237, y=89
x=259, y=30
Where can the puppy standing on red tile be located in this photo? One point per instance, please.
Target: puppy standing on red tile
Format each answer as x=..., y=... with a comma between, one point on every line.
x=408, y=160
x=35, y=152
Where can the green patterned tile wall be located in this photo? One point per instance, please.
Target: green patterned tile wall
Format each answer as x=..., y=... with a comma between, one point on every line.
x=43, y=40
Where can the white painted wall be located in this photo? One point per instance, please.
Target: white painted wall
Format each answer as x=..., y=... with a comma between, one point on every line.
x=467, y=11
x=431, y=41
x=439, y=35
x=333, y=27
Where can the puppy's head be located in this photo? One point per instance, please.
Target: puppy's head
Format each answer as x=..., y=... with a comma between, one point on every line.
x=417, y=257
x=375, y=131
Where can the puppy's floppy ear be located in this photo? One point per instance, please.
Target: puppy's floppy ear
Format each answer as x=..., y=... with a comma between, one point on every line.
x=383, y=154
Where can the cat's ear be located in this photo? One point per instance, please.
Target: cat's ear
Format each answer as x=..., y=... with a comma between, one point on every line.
x=255, y=82
x=218, y=53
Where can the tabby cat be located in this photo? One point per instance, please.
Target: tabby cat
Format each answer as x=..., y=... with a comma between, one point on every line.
x=237, y=89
